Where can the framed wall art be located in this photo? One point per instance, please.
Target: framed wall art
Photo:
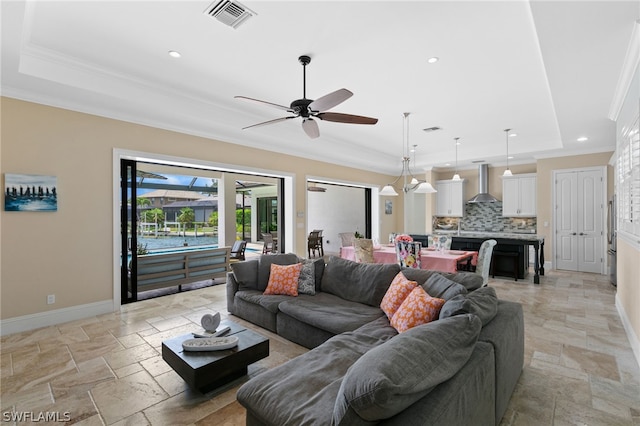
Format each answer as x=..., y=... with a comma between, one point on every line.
x=34, y=193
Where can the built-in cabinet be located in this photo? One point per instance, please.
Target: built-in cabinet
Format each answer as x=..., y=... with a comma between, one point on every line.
x=519, y=195
x=450, y=198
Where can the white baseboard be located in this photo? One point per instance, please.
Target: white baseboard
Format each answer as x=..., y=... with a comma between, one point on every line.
x=631, y=335
x=58, y=316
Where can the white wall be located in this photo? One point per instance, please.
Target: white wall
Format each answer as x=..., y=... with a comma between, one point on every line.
x=339, y=209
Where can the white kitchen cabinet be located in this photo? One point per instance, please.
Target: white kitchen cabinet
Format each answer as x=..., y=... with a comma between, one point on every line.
x=450, y=198
x=519, y=195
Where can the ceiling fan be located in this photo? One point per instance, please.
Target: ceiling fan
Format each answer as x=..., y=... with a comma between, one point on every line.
x=309, y=109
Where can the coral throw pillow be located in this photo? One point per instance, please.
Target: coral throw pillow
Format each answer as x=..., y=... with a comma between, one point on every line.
x=399, y=289
x=283, y=279
x=418, y=308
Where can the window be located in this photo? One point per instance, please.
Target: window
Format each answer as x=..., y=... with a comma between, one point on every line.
x=628, y=178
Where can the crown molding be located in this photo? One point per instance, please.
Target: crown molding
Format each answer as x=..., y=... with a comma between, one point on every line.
x=631, y=61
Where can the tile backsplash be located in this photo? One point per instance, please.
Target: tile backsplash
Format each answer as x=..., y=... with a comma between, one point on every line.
x=487, y=217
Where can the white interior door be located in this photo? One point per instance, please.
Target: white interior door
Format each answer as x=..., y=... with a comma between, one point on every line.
x=578, y=219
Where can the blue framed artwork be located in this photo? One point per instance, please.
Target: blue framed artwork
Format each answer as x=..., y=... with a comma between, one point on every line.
x=32, y=193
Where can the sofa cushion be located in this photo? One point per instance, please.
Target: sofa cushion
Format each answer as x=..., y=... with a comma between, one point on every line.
x=269, y=302
x=313, y=377
x=329, y=312
x=470, y=280
x=358, y=282
x=417, y=309
x=283, y=279
x=483, y=302
x=399, y=289
x=394, y=375
x=246, y=274
x=441, y=287
x=264, y=266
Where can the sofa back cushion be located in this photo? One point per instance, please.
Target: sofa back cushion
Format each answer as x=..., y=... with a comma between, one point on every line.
x=483, y=302
x=391, y=377
x=264, y=266
x=439, y=286
x=358, y=282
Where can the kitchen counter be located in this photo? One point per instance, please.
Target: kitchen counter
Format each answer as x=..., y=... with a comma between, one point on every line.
x=509, y=238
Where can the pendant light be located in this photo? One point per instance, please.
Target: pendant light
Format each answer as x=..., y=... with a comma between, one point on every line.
x=456, y=176
x=416, y=185
x=507, y=172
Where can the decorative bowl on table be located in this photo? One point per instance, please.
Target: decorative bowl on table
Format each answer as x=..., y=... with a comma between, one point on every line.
x=441, y=226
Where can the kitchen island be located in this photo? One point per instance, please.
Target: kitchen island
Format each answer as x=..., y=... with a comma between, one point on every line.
x=507, y=242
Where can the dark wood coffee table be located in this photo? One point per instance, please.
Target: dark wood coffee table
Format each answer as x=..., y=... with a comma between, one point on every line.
x=208, y=370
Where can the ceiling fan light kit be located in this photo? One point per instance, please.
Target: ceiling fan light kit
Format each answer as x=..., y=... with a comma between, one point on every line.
x=309, y=109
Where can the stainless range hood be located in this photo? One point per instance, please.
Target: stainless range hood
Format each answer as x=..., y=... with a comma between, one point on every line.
x=483, y=195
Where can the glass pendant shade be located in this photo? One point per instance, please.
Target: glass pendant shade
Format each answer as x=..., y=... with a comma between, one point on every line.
x=507, y=173
x=388, y=191
x=456, y=177
x=425, y=188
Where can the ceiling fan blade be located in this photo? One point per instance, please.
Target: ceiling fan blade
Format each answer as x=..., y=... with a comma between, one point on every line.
x=282, y=107
x=327, y=102
x=346, y=118
x=264, y=123
x=310, y=127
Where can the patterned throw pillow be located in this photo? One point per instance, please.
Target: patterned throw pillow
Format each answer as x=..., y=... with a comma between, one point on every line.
x=283, y=279
x=307, y=278
x=399, y=289
x=418, y=308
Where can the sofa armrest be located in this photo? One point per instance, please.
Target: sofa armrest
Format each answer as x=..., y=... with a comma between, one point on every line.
x=232, y=289
x=506, y=333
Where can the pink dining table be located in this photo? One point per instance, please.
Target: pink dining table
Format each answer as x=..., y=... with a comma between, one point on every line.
x=443, y=261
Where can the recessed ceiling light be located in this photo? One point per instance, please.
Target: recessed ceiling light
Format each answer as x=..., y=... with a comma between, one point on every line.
x=433, y=59
x=510, y=157
x=175, y=54
x=582, y=139
x=447, y=164
x=513, y=135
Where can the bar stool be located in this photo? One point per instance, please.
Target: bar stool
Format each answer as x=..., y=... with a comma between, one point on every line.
x=509, y=255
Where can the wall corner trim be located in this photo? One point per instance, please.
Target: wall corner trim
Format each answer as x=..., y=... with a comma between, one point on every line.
x=58, y=316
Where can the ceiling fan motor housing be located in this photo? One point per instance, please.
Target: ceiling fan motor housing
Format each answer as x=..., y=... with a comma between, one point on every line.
x=301, y=106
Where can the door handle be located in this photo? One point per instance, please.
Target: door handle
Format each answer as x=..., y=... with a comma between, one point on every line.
x=582, y=233
x=574, y=233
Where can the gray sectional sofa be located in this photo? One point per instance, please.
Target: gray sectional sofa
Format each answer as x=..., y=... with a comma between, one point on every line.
x=460, y=369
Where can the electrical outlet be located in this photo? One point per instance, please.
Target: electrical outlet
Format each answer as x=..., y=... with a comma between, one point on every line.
x=51, y=299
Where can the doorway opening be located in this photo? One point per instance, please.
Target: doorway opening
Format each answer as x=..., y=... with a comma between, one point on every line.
x=177, y=209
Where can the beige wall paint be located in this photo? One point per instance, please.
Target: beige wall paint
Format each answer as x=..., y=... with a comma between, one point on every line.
x=69, y=253
x=628, y=288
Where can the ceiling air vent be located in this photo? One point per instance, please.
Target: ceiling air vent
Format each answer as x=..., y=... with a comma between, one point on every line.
x=230, y=13
x=432, y=129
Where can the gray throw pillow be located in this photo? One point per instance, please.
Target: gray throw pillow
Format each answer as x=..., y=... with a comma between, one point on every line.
x=246, y=274
x=390, y=377
x=307, y=278
x=482, y=302
x=442, y=287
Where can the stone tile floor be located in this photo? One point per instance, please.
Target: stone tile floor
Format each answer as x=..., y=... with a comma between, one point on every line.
x=579, y=367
